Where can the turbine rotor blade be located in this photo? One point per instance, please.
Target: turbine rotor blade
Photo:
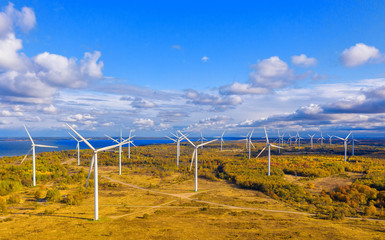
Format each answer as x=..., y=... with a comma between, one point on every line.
x=186, y=138
x=111, y=138
x=276, y=146
x=349, y=135
x=261, y=151
x=200, y=145
x=89, y=172
x=85, y=141
x=28, y=134
x=171, y=139
x=73, y=136
x=26, y=155
x=112, y=146
x=46, y=146
x=192, y=158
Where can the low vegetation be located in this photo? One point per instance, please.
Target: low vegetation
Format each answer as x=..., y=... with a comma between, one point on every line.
x=298, y=182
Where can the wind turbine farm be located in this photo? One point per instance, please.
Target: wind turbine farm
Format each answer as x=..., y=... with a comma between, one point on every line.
x=156, y=120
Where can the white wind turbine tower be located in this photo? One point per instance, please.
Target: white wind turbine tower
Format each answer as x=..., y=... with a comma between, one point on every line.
x=280, y=140
x=77, y=146
x=202, y=138
x=250, y=143
x=345, y=143
x=221, y=137
x=33, y=155
x=94, y=162
x=120, y=150
x=321, y=138
x=353, y=140
x=129, y=144
x=246, y=139
x=268, y=144
x=290, y=138
x=195, y=154
x=177, y=141
x=311, y=140
x=298, y=138
x=330, y=139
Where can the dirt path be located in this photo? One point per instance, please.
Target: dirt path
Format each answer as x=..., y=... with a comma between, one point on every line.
x=189, y=196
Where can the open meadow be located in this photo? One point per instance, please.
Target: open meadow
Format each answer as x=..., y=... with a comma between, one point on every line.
x=311, y=194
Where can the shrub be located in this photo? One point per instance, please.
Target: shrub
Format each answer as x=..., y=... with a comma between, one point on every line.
x=14, y=199
x=39, y=194
x=370, y=211
x=53, y=195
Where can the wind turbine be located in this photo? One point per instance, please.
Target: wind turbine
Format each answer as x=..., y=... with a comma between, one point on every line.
x=330, y=139
x=311, y=140
x=246, y=139
x=77, y=145
x=195, y=154
x=290, y=137
x=177, y=141
x=321, y=138
x=202, y=138
x=353, y=140
x=94, y=162
x=33, y=154
x=129, y=144
x=250, y=143
x=268, y=144
x=120, y=150
x=345, y=143
x=221, y=137
x=280, y=140
x=299, y=140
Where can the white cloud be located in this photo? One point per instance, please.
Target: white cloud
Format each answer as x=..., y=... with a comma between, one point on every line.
x=7, y=113
x=78, y=118
x=359, y=54
x=241, y=89
x=50, y=109
x=90, y=65
x=143, y=123
x=272, y=73
x=142, y=103
x=25, y=19
x=10, y=59
x=204, y=59
x=214, y=100
x=37, y=80
x=303, y=61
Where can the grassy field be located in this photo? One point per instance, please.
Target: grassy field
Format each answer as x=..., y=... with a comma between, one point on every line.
x=153, y=199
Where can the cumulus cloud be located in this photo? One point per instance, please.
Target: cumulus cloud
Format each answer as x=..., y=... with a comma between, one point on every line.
x=359, y=54
x=272, y=73
x=212, y=122
x=37, y=79
x=51, y=109
x=144, y=123
x=7, y=113
x=242, y=89
x=142, y=103
x=78, y=118
x=204, y=59
x=172, y=116
x=216, y=101
x=303, y=61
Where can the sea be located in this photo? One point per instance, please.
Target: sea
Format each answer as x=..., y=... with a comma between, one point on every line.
x=20, y=147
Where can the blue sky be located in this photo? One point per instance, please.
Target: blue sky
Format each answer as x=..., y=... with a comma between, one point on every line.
x=161, y=66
